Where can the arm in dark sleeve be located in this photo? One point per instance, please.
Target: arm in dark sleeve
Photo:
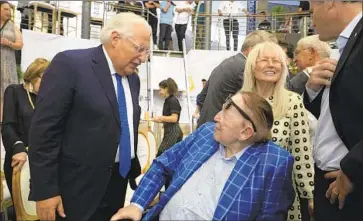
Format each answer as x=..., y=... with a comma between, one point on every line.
x=10, y=132
x=352, y=163
x=202, y=96
x=46, y=132
x=175, y=107
x=313, y=106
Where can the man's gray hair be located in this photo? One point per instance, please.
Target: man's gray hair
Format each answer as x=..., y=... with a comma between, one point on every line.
x=313, y=41
x=122, y=23
x=257, y=37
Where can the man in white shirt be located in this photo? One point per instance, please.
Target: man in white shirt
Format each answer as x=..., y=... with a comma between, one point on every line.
x=230, y=9
x=333, y=93
x=184, y=10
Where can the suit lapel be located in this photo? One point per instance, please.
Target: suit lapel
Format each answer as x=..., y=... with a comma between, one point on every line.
x=103, y=73
x=236, y=182
x=348, y=48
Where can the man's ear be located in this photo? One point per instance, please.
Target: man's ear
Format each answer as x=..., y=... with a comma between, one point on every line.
x=246, y=133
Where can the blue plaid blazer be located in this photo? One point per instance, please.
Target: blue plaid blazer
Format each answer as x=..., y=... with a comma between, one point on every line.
x=260, y=186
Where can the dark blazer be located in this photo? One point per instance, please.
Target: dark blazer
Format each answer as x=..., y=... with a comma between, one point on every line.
x=346, y=104
x=75, y=131
x=225, y=79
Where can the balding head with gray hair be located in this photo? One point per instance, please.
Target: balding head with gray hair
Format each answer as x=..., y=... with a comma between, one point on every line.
x=124, y=24
x=313, y=41
x=255, y=38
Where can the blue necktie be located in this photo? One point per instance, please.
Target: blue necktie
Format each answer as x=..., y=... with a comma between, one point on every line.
x=125, y=146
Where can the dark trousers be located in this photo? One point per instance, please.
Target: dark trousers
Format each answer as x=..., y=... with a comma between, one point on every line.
x=165, y=36
x=231, y=26
x=153, y=22
x=180, y=33
x=325, y=211
x=8, y=172
x=113, y=199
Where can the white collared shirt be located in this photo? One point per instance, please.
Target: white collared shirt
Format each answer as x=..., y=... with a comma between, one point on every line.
x=329, y=149
x=129, y=104
x=183, y=17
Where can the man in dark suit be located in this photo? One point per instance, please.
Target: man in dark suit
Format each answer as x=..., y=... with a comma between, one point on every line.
x=227, y=78
x=83, y=135
x=334, y=94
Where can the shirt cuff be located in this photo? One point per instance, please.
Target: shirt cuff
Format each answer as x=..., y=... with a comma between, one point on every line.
x=312, y=94
x=138, y=206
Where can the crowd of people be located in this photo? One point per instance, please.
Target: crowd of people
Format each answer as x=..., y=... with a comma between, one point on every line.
x=270, y=145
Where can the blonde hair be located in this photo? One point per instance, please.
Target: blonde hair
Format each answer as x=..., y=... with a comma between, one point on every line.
x=124, y=24
x=257, y=37
x=35, y=69
x=280, y=105
x=313, y=41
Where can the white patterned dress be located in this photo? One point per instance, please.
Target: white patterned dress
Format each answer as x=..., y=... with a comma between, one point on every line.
x=292, y=133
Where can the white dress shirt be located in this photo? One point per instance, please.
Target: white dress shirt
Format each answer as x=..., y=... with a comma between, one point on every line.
x=329, y=149
x=129, y=104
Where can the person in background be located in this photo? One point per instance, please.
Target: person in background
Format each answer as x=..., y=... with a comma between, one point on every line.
x=197, y=108
x=199, y=38
x=166, y=22
x=84, y=131
x=334, y=95
x=265, y=24
x=19, y=100
x=10, y=40
x=152, y=18
x=304, y=6
x=231, y=9
x=308, y=52
x=173, y=134
x=184, y=9
x=265, y=74
x=227, y=78
x=227, y=170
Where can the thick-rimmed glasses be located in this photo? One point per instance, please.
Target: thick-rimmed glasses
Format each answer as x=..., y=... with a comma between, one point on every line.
x=227, y=104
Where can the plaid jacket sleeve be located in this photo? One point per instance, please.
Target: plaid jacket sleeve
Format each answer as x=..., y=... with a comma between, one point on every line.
x=279, y=192
x=163, y=166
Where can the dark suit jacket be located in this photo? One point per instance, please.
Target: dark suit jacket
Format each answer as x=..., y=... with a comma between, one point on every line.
x=226, y=79
x=75, y=131
x=346, y=104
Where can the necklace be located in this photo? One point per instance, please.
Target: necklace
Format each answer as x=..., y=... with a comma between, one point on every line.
x=30, y=99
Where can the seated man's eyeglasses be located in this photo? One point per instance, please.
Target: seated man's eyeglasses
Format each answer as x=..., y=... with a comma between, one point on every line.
x=230, y=102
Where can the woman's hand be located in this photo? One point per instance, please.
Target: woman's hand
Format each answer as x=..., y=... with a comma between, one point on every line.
x=18, y=161
x=4, y=41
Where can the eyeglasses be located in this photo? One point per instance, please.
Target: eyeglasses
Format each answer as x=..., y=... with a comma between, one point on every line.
x=139, y=48
x=227, y=104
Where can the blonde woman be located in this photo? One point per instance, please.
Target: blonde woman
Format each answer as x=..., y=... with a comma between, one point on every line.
x=19, y=100
x=265, y=74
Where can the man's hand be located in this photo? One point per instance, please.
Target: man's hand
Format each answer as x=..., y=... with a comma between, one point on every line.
x=46, y=209
x=130, y=212
x=322, y=73
x=18, y=161
x=340, y=188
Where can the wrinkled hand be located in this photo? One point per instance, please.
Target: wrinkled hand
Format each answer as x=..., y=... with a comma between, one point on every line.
x=46, y=209
x=311, y=207
x=130, y=212
x=322, y=73
x=18, y=161
x=4, y=41
x=157, y=119
x=340, y=188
